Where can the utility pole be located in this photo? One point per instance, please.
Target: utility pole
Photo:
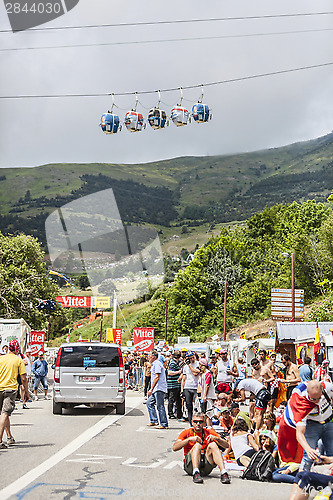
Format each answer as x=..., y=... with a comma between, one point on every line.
x=292, y=287
x=101, y=328
x=225, y=312
x=166, y=320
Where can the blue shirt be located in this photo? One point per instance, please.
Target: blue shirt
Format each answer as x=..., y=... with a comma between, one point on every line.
x=161, y=385
x=39, y=368
x=305, y=372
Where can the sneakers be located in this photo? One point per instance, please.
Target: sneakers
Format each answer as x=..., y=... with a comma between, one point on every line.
x=197, y=478
x=25, y=407
x=35, y=398
x=225, y=478
x=3, y=446
x=10, y=441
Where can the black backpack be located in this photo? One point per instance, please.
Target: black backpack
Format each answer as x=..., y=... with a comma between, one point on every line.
x=260, y=467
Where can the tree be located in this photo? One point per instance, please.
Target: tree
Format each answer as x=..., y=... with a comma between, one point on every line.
x=23, y=279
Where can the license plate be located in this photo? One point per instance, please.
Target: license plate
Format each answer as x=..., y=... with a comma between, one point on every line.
x=89, y=379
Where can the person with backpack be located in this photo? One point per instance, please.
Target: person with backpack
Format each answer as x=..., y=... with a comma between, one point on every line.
x=242, y=443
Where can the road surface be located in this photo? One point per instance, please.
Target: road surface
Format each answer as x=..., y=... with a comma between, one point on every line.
x=97, y=454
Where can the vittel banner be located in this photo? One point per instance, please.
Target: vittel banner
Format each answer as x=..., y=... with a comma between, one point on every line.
x=37, y=339
x=71, y=301
x=143, y=338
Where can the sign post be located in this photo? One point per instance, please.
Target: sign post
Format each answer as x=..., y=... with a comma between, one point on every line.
x=284, y=308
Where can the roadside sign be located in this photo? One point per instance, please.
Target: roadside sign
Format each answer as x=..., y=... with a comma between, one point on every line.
x=37, y=342
x=184, y=340
x=281, y=304
x=143, y=339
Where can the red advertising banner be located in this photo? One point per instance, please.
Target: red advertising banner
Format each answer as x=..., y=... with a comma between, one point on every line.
x=117, y=333
x=71, y=301
x=37, y=340
x=143, y=339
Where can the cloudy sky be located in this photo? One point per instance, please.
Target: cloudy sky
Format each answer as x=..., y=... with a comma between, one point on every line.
x=247, y=115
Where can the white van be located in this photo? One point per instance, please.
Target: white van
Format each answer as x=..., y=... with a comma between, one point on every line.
x=89, y=373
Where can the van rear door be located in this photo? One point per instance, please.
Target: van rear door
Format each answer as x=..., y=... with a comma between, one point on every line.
x=90, y=372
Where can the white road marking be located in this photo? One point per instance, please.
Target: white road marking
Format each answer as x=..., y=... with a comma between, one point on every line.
x=130, y=463
x=144, y=428
x=29, y=477
x=173, y=464
x=92, y=459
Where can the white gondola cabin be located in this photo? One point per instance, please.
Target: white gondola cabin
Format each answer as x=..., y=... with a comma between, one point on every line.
x=134, y=121
x=110, y=123
x=180, y=116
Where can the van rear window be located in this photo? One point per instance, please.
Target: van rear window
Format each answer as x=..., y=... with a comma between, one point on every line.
x=89, y=356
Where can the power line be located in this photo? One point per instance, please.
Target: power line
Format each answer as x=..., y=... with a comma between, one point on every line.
x=138, y=42
x=188, y=87
x=175, y=21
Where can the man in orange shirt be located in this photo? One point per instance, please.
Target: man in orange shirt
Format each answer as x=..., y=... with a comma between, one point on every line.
x=201, y=451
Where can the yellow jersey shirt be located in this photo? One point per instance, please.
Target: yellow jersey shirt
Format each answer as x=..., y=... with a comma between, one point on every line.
x=10, y=366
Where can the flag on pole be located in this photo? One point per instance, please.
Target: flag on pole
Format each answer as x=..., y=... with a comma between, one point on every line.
x=68, y=338
x=316, y=345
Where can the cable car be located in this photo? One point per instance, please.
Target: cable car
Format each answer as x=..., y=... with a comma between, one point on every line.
x=180, y=116
x=110, y=123
x=134, y=121
x=201, y=112
x=157, y=118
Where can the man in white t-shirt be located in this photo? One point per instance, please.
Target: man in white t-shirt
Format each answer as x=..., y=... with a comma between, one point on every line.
x=261, y=393
x=319, y=425
x=224, y=372
x=190, y=380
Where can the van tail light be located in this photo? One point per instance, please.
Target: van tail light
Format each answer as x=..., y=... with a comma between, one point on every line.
x=121, y=368
x=57, y=368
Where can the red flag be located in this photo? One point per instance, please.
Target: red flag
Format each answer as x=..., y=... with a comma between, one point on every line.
x=68, y=338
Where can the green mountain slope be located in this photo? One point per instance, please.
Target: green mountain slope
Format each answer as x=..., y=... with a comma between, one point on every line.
x=218, y=188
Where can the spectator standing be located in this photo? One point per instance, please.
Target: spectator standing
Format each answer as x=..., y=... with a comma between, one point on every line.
x=11, y=366
x=147, y=376
x=292, y=375
x=174, y=387
x=190, y=380
x=157, y=392
x=207, y=391
x=242, y=371
x=5, y=349
x=224, y=373
x=305, y=370
x=40, y=369
x=321, y=372
x=261, y=393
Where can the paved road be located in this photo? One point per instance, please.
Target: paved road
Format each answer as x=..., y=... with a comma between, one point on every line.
x=96, y=454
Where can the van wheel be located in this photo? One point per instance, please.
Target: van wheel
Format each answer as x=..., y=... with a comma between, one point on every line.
x=120, y=408
x=57, y=408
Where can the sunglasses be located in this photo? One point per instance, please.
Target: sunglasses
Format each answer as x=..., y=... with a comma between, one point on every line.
x=197, y=421
x=315, y=399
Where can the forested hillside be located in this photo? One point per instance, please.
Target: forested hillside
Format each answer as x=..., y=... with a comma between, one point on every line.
x=172, y=192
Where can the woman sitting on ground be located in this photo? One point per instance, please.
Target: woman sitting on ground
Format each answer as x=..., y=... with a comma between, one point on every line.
x=242, y=442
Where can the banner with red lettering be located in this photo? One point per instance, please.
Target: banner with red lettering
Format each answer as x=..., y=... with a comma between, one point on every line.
x=117, y=333
x=37, y=342
x=143, y=338
x=71, y=301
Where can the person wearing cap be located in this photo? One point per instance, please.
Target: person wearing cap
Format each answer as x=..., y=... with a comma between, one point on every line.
x=321, y=372
x=174, y=399
x=40, y=369
x=10, y=367
x=224, y=373
x=207, y=391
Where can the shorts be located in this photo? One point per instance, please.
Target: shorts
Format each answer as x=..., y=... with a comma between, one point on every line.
x=39, y=380
x=262, y=399
x=274, y=393
x=224, y=387
x=248, y=453
x=205, y=467
x=7, y=402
